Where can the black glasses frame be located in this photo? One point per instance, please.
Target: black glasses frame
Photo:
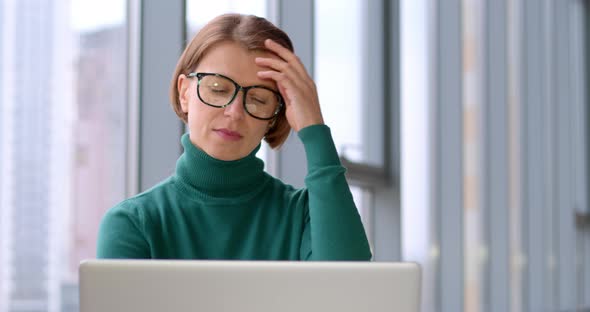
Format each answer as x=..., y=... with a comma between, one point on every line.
x=200, y=76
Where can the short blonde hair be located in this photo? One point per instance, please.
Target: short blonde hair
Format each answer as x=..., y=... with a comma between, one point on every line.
x=248, y=30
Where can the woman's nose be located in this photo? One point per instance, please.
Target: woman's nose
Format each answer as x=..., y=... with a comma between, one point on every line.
x=235, y=109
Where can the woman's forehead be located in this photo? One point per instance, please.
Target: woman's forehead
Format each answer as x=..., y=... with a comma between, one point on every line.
x=236, y=62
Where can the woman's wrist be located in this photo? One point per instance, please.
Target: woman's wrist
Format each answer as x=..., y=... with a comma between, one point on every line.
x=319, y=146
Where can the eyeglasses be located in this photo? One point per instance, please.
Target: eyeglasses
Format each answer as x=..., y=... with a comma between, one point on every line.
x=219, y=91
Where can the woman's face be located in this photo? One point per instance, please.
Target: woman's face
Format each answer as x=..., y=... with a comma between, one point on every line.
x=228, y=133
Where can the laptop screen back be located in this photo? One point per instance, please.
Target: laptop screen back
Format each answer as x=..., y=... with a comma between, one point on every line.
x=261, y=286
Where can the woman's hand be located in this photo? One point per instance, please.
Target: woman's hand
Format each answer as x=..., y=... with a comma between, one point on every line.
x=295, y=84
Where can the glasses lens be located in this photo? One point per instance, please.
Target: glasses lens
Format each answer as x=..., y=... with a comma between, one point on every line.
x=261, y=102
x=215, y=90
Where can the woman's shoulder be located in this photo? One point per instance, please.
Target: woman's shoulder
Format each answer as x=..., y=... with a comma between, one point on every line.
x=144, y=202
x=287, y=191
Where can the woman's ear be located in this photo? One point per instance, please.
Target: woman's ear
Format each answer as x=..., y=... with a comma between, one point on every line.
x=182, y=84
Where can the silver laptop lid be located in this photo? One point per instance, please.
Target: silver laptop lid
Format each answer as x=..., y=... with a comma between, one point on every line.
x=260, y=286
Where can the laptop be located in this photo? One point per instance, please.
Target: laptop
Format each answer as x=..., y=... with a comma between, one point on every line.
x=248, y=286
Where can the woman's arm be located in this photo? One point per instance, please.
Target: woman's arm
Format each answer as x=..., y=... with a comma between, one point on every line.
x=120, y=235
x=334, y=228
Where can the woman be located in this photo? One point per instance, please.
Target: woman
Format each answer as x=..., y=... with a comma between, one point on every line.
x=236, y=83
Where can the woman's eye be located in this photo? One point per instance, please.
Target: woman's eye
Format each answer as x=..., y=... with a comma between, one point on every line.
x=259, y=101
x=220, y=91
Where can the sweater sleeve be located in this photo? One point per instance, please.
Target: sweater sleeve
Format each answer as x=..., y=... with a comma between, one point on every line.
x=333, y=229
x=120, y=235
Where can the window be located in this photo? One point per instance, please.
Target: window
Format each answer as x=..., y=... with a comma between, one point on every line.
x=349, y=74
x=349, y=86
x=199, y=12
x=62, y=144
x=339, y=72
x=489, y=211
x=474, y=255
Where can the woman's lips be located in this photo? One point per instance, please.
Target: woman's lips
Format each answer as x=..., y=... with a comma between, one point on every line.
x=228, y=134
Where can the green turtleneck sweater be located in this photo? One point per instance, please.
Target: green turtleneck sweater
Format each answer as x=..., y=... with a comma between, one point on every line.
x=213, y=209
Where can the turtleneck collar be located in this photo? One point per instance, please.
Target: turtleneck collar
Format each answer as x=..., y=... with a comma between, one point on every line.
x=216, y=177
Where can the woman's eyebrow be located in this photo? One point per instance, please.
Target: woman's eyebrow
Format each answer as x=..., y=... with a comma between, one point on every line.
x=264, y=83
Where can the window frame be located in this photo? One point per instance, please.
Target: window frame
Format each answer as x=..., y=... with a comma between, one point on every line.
x=297, y=18
x=152, y=60
x=162, y=34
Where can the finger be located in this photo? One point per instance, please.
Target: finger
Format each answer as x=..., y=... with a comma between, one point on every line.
x=291, y=76
x=284, y=67
x=288, y=56
x=275, y=64
x=285, y=84
x=279, y=50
